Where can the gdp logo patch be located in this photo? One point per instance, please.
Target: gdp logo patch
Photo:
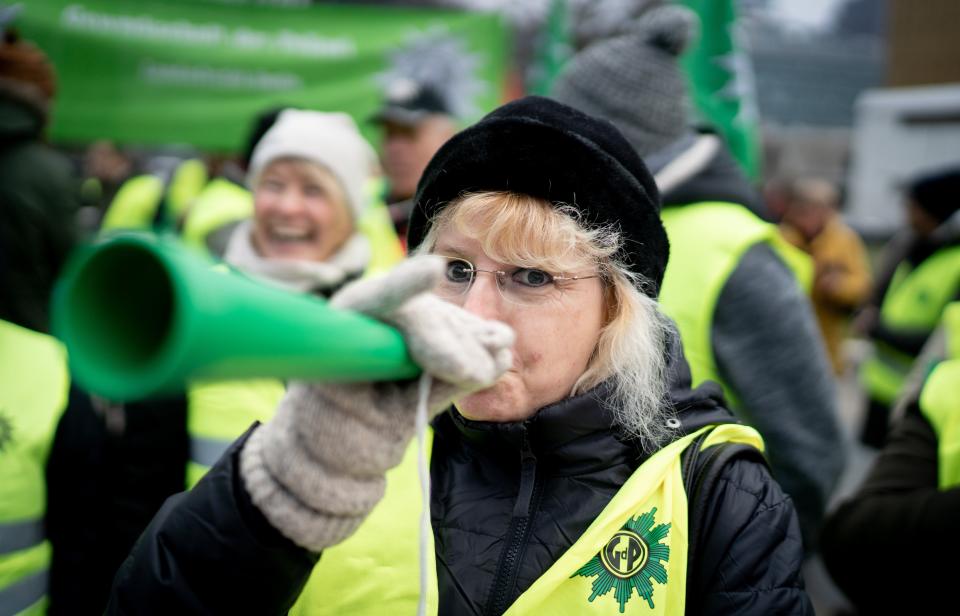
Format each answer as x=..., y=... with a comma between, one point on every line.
x=633, y=559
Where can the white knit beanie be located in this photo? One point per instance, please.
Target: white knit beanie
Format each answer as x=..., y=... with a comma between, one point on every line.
x=328, y=139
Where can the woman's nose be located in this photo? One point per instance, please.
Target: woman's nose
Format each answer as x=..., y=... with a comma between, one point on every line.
x=290, y=201
x=483, y=298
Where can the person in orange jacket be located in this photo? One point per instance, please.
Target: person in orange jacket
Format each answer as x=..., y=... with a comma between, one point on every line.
x=842, y=276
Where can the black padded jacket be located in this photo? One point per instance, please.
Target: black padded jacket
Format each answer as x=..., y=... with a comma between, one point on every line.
x=508, y=500
x=900, y=525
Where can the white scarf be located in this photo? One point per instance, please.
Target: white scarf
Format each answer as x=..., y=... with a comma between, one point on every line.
x=305, y=276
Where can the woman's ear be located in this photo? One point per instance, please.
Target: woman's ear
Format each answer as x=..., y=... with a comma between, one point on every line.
x=611, y=299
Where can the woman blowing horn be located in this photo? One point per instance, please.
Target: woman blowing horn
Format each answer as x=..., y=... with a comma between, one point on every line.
x=566, y=441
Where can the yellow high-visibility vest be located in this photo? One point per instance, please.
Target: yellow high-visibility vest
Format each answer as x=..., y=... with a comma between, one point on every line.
x=914, y=302
x=220, y=203
x=631, y=560
x=375, y=224
x=34, y=386
x=135, y=204
x=707, y=241
x=940, y=404
x=220, y=411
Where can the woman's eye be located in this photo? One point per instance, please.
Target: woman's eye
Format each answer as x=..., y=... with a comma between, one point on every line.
x=459, y=271
x=313, y=191
x=532, y=277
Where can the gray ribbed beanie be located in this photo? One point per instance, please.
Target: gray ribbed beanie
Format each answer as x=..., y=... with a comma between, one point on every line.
x=634, y=79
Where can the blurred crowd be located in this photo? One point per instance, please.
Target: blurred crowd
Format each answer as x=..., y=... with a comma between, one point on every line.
x=774, y=297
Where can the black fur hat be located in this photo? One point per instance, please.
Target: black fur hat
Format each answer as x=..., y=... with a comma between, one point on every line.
x=542, y=148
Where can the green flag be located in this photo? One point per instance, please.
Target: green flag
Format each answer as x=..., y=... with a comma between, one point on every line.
x=722, y=81
x=196, y=73
x=553, y=50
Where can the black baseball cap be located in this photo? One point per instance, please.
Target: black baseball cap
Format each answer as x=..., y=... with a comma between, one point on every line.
x=408, y=102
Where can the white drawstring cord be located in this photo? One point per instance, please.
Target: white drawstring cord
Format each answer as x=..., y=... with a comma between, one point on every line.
x=424, y=472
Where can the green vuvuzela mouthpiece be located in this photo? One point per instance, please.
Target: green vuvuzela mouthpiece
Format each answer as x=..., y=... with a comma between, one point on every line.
x=141, y=315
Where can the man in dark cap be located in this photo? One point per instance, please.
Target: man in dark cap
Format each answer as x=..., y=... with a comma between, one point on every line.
x=910, y=297
x=416, y=121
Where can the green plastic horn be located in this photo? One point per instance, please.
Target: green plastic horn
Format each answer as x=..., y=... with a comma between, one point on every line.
x=141, y=316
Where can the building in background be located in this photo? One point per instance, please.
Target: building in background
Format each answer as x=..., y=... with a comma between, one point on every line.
x=912, y=125
x=808, y=80
x=899, y=133
x=924, y=48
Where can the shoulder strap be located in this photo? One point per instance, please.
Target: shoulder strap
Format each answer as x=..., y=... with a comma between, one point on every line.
x=701, y=470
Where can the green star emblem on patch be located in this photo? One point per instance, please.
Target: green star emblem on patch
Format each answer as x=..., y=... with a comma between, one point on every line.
x=633, y=559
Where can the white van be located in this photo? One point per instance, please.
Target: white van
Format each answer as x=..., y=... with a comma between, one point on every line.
x=898, y=133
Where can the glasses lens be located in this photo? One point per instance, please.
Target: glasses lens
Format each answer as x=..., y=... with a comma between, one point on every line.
x=527, y=286
x=457, y=278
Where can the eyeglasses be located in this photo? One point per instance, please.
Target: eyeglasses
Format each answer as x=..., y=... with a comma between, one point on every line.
x=524, y=285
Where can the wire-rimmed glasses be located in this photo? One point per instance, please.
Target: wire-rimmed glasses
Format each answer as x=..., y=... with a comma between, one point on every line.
x=522, y=285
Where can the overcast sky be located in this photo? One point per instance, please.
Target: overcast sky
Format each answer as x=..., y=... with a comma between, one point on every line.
x=810, y=13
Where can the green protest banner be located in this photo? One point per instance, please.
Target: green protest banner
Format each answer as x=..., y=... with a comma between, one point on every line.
x=722, y=78
x=197, y=72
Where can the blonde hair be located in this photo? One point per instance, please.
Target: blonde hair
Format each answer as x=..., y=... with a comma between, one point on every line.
x=631, y=349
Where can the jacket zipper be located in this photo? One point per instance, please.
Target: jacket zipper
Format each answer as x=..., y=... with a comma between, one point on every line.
x=523, y=510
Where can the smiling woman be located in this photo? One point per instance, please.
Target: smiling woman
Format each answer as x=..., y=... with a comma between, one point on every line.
x=300, y=212
x=308, y=175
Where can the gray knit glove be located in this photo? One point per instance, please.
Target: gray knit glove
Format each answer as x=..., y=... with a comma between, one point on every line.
x=317, y=468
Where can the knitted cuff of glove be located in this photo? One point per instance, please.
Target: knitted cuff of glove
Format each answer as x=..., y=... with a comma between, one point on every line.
x=309, y=528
